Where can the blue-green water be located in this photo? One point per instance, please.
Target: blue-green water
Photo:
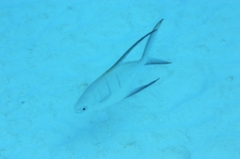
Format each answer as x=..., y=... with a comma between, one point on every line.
x=50, y=51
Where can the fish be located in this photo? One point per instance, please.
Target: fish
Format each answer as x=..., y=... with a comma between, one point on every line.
x=116, y=83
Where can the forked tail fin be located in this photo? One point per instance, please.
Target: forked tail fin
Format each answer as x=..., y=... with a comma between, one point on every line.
x=146, y=59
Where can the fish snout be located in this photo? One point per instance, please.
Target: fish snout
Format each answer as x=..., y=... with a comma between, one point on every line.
x=80, y=109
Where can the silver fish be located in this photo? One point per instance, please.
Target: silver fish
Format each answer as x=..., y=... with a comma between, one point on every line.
x=116, y=83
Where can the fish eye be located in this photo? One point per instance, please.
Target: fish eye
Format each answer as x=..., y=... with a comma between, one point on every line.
x=84, y=108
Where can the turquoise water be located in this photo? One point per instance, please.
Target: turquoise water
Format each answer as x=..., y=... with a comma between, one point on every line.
x=50, y=51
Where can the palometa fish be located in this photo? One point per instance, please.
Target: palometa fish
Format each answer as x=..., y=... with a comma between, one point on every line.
x=117, y=82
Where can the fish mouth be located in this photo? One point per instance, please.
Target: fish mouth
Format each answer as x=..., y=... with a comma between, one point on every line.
x=78, y=110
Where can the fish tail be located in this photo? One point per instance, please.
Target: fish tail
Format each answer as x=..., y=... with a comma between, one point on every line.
x=146, y=59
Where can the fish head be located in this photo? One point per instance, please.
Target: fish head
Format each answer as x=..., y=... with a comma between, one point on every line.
x=87, y=102
x=82, y=105
x=80, y=108
x=94, y=98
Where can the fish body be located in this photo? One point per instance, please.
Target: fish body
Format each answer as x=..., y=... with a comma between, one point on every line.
x=116, y=83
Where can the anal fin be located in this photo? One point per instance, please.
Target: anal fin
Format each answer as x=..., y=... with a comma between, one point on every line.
x=136, y=90
x=155, y=61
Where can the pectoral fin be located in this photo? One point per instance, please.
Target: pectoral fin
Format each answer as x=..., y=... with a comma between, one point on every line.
x=136, y=90
x=108, y=94
x=105, y=98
